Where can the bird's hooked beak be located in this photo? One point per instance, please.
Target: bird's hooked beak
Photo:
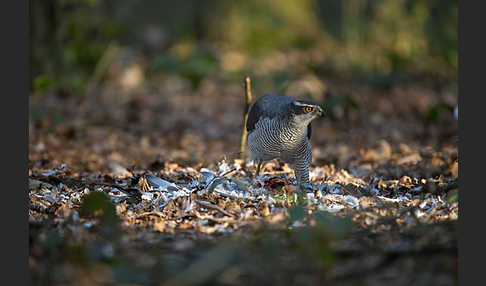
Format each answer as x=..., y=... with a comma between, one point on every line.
x=320, y=111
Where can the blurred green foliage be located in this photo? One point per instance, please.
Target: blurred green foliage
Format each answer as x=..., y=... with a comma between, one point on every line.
x=453, y=196
x=194, y=66
x=98, y=204
x=371, y=37
x=260, y=26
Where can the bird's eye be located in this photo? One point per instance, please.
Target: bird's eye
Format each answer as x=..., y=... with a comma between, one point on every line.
x=308, y=109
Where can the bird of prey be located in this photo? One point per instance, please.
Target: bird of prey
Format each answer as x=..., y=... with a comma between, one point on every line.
x=280, y=127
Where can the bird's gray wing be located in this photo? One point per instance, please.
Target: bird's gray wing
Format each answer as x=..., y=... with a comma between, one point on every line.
x=253, y=117
x=270, y=106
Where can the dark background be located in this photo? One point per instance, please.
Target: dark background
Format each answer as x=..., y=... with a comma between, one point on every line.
x=173, y=73
x=367, y=38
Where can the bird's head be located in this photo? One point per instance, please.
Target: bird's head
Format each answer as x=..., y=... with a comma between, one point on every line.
x=304, y=112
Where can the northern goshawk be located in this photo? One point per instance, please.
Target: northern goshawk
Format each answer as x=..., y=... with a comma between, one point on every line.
x=280, y=127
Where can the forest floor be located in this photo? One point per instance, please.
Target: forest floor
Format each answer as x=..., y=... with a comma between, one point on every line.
x=145, y=187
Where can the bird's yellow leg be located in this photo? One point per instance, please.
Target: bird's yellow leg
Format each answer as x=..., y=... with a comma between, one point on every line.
x=259, y=166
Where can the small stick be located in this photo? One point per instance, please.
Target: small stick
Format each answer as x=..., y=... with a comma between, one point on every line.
x=245, y=116
x=227, y=172
x=214, y=207
x=156, y=213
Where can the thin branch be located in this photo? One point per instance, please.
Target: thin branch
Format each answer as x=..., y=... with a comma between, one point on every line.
x=245, y=116
x=155, y=213
x=214, y=207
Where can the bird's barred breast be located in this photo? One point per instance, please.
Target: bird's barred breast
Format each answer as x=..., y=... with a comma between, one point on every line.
x=271, y=139
x=263, y=141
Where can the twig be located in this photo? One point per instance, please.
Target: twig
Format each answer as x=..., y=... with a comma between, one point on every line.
x=245, y=116
x=227, y=172
x=214, y=207
x=156, y=213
